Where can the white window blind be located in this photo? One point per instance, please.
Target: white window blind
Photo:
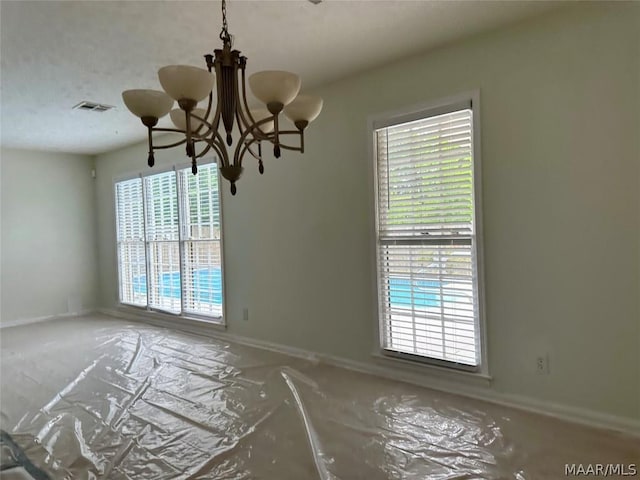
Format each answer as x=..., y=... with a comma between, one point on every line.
x=169, y=242
x=131, y=244
x=163, y=242
x=427, y=278
x=201, y=241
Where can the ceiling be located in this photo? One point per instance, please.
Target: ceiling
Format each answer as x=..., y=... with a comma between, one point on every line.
x=55, y=54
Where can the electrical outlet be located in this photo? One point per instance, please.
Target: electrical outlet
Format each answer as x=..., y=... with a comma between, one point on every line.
x=542, y=365
x=245, y=314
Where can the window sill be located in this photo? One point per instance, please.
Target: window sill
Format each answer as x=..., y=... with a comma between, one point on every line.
x=438, y=373
x=197, y=325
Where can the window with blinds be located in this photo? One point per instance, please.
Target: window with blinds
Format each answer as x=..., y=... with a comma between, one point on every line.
x=169, y=242
x=426, y=237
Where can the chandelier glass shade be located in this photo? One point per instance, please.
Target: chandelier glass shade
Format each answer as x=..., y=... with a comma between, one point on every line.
x=227, y=113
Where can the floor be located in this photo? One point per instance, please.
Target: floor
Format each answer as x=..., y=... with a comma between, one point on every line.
x=100, y=398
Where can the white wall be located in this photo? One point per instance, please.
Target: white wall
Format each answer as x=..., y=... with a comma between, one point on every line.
x=49, y=264
x=560, y=155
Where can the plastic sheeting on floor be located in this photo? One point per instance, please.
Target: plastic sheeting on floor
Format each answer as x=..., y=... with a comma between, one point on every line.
x=98, y=398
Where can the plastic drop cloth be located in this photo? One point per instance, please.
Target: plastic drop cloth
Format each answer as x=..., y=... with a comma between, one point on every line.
x=97, y=398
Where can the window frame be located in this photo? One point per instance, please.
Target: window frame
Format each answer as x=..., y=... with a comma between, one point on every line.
x=220, y=321
x=405, y=115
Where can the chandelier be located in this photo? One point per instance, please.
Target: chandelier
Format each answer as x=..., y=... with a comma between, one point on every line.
x=201, y=127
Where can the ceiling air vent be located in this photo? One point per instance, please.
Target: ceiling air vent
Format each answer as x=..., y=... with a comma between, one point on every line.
x=93, y=107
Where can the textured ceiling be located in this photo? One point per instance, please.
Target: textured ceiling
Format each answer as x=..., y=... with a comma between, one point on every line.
x=55, y=54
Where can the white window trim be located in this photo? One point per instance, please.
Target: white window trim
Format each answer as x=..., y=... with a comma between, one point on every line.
x=408, y=114
x=163, y=314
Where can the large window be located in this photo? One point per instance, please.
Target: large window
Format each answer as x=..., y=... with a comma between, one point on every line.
x=426, y=236
x=169, y=242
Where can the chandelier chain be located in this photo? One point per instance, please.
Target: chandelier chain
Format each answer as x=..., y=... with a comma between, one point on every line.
x=224, y=34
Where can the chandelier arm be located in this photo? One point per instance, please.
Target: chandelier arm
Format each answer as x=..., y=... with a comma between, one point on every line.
x=170, y=145
x=215, y=123
x=176, y=130
x=256, y=133
x=251, y=123
x=196, y=133
x=245, y=103
x=288, y=147
x=242, y=125
x=217, y=144
x=237, y=157
x=238, y=117
x=253, y=129
x=204, y=151
x=215, y=147
x=204, y=122
x=246, y=146
x=291, y=147
x=206, y=115
x=289, y=132
x=160, y=147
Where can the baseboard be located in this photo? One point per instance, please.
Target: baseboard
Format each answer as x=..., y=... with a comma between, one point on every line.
x=185, y=324
x=47, y=318
x=562, y=412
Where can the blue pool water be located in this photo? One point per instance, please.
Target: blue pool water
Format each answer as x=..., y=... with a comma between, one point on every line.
x=420, y=293
x=208, y=288
x=207, y=285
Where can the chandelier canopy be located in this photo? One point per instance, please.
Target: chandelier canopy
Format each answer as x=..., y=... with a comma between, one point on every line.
x=188, y=85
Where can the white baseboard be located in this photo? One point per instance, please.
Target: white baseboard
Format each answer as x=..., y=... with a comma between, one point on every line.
x=165, y=320
x=47, y=318
x=562, y=412
x=578, y=415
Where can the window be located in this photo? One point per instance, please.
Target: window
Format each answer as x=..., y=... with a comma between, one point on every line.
x=169, y=242
x=426, y=237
